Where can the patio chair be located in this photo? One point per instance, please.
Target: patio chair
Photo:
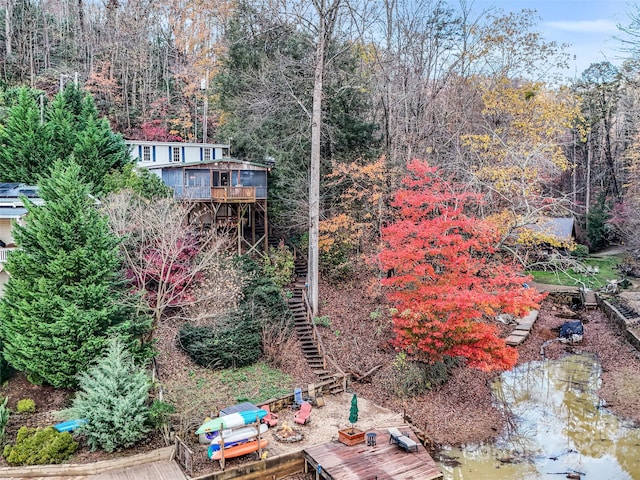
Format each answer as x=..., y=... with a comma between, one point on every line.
x=407, y=444
x=394, y=434
x=304, y=414
x=297, y=397
x=270, y=418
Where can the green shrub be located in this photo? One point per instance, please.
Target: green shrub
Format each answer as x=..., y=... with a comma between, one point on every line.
x=411, y=378
x=113, y=399
x=322, y=321
x=278, y=266
x=37, y=446
x=159, y=413
x=235, y=340
x=580, y=251
x=26, y=405
x=4, y=418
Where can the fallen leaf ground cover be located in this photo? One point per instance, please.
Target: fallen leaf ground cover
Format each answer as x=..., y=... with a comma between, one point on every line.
x=356, y=334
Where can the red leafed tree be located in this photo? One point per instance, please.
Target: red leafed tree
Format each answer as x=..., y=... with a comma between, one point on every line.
x=448, y=281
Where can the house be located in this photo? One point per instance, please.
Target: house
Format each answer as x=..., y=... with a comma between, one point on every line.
x=12, y=210
x=150, y=153
x=227, y=194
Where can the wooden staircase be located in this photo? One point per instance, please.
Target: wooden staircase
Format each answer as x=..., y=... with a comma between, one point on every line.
x=310, y=340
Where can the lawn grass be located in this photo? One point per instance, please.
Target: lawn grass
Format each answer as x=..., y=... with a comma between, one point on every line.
x=256, y=383
x=199, y=392
x=606, y=271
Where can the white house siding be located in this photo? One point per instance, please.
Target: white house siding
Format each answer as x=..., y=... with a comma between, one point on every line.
x=155, y=154
x=5, y=230
x=4, y=278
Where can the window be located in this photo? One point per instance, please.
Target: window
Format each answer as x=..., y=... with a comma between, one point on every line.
x=206, y=154
x=225, y=152
x=146, y=153
x=175, y=154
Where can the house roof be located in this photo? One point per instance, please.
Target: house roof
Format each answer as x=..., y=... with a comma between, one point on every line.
x=214, y=161
x=560, y=227
x=15, y=190
x=12, y=212
x=11, y=205
x=176, y=144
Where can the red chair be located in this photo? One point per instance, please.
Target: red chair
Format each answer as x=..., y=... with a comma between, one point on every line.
x=304, y=414
x=270, y=419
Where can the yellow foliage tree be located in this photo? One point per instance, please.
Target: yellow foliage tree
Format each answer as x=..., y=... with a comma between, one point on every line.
x=518, y=151
x=358, y=214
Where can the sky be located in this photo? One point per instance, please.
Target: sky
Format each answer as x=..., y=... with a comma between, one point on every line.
x=589, y=26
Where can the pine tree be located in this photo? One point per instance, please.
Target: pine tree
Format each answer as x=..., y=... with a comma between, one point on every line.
x=25, y=152
x=113, y=399
x=71, y=126
x=65, y=294
x=61, y=127
x=99, y=151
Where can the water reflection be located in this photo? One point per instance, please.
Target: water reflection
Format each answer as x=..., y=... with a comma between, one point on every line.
x=559, y=427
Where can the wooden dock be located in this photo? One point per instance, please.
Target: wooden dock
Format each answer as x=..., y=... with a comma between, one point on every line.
x=384, y=461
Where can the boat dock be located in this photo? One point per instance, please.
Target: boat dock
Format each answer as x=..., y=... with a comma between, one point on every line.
x=382, y=461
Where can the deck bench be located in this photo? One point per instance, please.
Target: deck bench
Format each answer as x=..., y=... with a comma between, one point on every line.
x=394, y=434
x=407, y=444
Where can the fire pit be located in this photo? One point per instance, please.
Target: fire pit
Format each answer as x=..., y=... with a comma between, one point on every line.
x=287, y=433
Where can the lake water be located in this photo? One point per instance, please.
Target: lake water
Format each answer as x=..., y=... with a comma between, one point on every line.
x=558, y=427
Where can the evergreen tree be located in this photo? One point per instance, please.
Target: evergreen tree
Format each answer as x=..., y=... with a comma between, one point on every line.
x=146, y=184
x=25, y=152
x=61, y=128
x=113, y=399
x=65, y=294
x=71, y=126
x=99, y=151
x=598, y=228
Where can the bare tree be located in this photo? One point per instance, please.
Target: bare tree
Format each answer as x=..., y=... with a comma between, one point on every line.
x=170, y=263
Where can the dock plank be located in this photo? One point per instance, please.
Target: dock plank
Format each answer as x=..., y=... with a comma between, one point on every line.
x=383, y=461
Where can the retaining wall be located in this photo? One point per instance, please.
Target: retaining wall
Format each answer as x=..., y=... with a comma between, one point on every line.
x=270, y=468
x=630, y=328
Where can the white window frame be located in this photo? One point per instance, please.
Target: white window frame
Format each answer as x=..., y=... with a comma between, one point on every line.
x=146, y=153
x=206, y=154
x=175, y=155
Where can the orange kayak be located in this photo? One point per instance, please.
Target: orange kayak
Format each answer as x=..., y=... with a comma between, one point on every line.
x=240, y=449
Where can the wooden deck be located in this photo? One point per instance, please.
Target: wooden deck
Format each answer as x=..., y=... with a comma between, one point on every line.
x=381, y=462
x=166, y=470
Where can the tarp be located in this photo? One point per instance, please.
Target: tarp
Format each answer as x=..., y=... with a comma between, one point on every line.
x=571, y=328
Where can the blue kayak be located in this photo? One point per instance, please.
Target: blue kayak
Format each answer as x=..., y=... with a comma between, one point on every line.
x=70, y=425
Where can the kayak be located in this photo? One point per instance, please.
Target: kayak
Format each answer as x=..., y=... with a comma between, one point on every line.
x=237, y=434
x=231, y=421
x=70, y=425
x=240, y=449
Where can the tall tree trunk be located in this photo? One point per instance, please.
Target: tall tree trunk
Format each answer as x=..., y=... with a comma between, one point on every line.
x=8, y=31
x=326, y=20
x=314, y=178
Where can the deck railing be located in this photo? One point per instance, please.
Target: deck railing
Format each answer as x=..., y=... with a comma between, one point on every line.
x=222, y=194
x=231, y=194
x=4, y=252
